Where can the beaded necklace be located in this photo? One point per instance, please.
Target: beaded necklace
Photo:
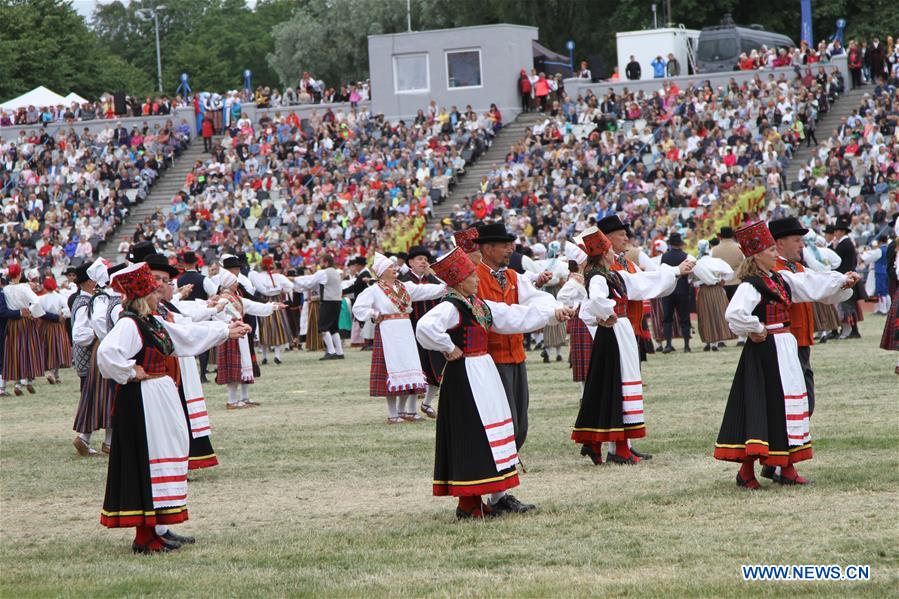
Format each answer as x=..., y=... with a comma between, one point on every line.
x=478, y=307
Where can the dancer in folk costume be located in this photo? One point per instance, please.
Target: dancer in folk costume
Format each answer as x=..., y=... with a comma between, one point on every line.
x=767, y=413
x=571, y=295
x=475, y=450
x=146, y=483
x=202, y=288
x=328, y=281
x=274, y=330
x=612, y=404
x=877, y=284
x=54, y=333
x=711, y=300
x=820, y=258
x=554, y=335
x=23, y=354
x=890, y=338
x=844, y=246
x=90, y=415
x=432, y=363
x=234, y=357
x=396, y=371
x=244, y=289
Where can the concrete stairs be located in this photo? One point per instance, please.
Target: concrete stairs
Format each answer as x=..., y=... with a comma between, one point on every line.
x=843, y=107
x=470, y=182
x=169, y=183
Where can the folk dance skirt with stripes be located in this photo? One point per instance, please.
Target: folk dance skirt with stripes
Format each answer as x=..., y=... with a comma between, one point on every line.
x=612, y=404
x=657, y=318
x=313, y=337
x=711, y=303
x=890, y=338
x=57, y=345
x=228, y=364
x=97, y=398
x=554, y=335
x=378, y=375
x=23, y=351
x=826, y=317
x=767, y=413
x=146, y=483
x=190, y=389
x=274, y=330
x=475, y=452
x=581, y=347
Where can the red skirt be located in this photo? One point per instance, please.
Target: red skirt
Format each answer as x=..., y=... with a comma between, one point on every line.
x=890, y=338
x=57, y=346
x=377, y=382
x=23, y=354
x=581, y=346
x=228, y=363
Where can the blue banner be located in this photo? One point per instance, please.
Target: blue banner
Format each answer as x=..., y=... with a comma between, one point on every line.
x=806, y=19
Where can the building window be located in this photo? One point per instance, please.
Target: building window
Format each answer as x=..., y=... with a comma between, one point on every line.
x=463, y=69
x=411, y=74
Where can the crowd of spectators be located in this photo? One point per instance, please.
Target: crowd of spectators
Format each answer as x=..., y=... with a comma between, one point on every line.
x=64, y=194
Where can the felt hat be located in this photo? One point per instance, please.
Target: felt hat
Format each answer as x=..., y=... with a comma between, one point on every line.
x=754, y=238
x=160, y=262
x=594, y=242
x=784, y=227
x=135, y=281
x=610, y=224
x=494, y=232
x=454, y=267
x=466, y=240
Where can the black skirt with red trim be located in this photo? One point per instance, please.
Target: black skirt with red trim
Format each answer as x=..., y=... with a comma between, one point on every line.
x=128, y=501
x=463, y=462
x=201, y=455
x=754, y=423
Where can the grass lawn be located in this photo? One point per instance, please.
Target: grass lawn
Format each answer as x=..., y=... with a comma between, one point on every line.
x=316, y=495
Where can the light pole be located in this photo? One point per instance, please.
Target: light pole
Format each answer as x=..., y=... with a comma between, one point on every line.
x=146, y=14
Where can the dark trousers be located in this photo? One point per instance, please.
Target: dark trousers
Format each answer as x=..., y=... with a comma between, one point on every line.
x=681, y=304
x=204, y=362
x=809, y=136
x=805, y=356
x=515, y=382
x=207, y=144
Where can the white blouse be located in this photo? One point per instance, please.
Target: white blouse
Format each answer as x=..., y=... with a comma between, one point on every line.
x=373, y=302
x=21, y=295
x=711, y=271
x=53, y=303
x=640, y=286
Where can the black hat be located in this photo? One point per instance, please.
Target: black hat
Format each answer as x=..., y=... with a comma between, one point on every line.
x=81, y=274
x=419, y=250
x=70, y=271
x=189, y=257
x=116, y=268
x=675, y=240
x=403, y=256
x=292, y=272
x=495, y=232
x=611, y=223
x=231, y=262
x=784, y=227
x=829, y=229
x=358, y=261
x=139, y=251
x=160, y=262
x=726, y=233
x=842, y=223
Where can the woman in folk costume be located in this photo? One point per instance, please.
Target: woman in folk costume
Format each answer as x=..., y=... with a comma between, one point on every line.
x=820, y=258
x=23, y=354
x=572, y=294
x=711, y=300
x=146, y=484
x=554, y=335
x=612, y=404
x=55, y=337
x=396, y=371
x=233, y=357
x=767, y=413
x=274, y=330
x=890, y=338
x=475, y=452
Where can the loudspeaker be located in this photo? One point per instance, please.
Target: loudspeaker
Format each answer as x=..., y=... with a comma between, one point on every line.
x=594, y=63
x=118, y=100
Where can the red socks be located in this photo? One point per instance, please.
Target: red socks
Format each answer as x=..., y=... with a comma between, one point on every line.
x=623, y=449
x=789, y=473
x=747, y=474
x=470, y=504
x=146, y=537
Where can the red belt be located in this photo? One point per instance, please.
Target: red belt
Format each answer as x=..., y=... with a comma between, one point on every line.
x=475, y=354
x=399, y=316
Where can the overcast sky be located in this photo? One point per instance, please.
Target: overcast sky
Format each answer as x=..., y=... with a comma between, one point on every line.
x=86, y=7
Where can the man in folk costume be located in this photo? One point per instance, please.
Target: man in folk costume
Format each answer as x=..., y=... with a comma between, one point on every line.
x=475, y=449
x=498, y=283
x=202, y=288
x=396, y=371
x=54, y=333
x=767, y=412
x=274, y=331
x=88, y=416
x=327, y=279
x=432, y=363
x=243, y=290
x=845, y=249
x=235, y=358
x=146, y=483
x=23, y=358
x=359, y=278
x=612, y=403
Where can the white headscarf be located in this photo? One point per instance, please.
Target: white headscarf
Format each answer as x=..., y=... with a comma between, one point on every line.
x=381, y=264
x=573, y=252
x=97, y=272
x=226, y=279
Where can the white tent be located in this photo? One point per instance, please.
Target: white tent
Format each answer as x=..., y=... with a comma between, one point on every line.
x=39, y=96
x=73, y=97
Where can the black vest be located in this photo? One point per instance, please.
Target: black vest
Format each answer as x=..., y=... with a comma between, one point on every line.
x=194, y=278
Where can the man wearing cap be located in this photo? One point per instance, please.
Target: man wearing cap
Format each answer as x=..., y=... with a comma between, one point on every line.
x=432, y=363
x=82, y=342
x=498, y=283
x=362, y=279
x=202, y=288
x=679, y=299
x=845, y=249
x=327, y=279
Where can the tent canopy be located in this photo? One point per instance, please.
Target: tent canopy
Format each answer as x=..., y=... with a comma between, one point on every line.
x=38, y=97
x=73, y=97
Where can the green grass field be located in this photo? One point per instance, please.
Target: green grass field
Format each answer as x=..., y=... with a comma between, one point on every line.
x=316, y=495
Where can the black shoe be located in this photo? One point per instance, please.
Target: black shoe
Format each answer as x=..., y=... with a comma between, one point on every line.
x=642, y=456
x=854, y=335
x=203, y=378
x=183, y=539
x=741, y=343
x=588, y=451
x=264, y=361
x=668, y=350
x=545, y=356
x=614, y=458
x=659, y=349
x=170, y=544
x=687, y=350
x=722, y=344
x=769, y=472
x=508, y=503
x=714, y=348
x=823, y=339
x=339, y=356
x=327, y=357
x=485, y=513
x=277, y=361
x=707, y=347
x=559, y=358
x=147, y=549
x=366, y=348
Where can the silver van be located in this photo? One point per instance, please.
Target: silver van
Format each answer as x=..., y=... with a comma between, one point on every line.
x=719, y=47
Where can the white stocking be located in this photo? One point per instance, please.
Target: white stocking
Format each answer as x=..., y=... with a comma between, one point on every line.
x=86, y=437
x=391, y=406
x=338, y=343
x=433, y=390
x=244, y=392
x=264, y=353
x=411, y=401
x=161, y=530
x=329, y=343
x=232, y=393
x=108, y=437
x=493, y=498
x=277, y=352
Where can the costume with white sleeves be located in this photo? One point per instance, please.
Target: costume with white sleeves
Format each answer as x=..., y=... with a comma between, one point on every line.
x=54, y=335
x=711, y=300
x=767, y=413
x=146, y=483
x=571, y=295
x=476, y=452
x=274, y=330
x=23, y=353
x=612, y=404
x=234, y=357
x=821, y=259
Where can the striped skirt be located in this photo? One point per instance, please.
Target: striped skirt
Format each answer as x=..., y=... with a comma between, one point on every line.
x=228, y=367
x=890, y=338
x=826, y=317
x=57, y=345
x=313, y=339
x=97, y=399
x=581, y=346
x=274, y=330
x=554, y=335
x=711, y=303
x=657, y=314
x=23, y=352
